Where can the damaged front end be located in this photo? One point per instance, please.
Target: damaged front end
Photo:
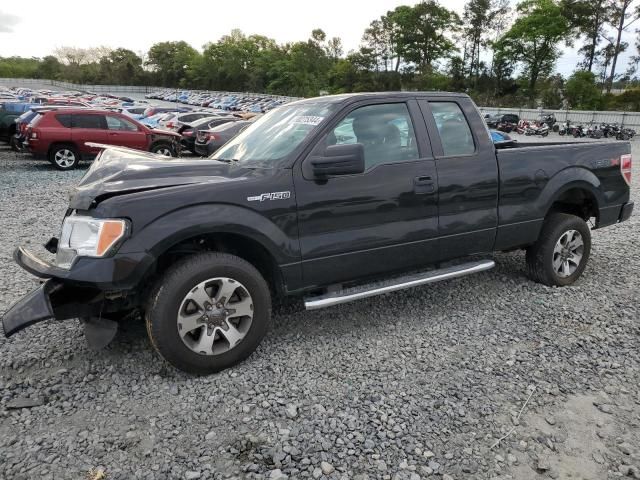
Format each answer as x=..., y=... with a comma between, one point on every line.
x=62, y=298
x=53, y=300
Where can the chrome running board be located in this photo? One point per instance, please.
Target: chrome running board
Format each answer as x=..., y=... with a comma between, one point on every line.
x=378, y=288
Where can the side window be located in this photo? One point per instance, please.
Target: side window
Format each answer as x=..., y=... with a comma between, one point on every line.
x=385, y=131
x=453, y=127
x=83, y=120
x=64, y=119
x=117, y=123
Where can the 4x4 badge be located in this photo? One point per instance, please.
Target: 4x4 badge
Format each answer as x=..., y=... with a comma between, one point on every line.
x=270, y=196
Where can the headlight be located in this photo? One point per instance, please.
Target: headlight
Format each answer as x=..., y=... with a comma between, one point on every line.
x=88, y=237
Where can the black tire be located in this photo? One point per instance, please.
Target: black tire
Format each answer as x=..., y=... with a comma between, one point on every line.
x=165, y=149
x=540, y=256
x=166, y=298
x=64, y=157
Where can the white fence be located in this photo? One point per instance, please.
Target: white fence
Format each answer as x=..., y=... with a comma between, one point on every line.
x=583, y=117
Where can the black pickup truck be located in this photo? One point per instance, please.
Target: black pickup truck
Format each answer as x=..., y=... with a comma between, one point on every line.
x=331, y=199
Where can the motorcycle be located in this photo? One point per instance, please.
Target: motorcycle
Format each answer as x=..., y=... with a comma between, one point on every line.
x=595, y=132
x=565, y=129
x=538, y=129
x=580, y=131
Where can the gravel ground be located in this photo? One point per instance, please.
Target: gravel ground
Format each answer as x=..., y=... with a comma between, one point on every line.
x=415, y=384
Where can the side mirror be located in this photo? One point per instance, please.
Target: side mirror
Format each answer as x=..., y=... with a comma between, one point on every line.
x=339, y=160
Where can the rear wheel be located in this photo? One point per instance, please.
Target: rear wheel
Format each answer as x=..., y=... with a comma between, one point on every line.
x=561, y=252
x=64, y=157
x=208, y=312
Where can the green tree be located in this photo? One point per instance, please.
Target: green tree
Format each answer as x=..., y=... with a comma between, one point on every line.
x=480, y=18
x=50, y=68
x=170, y=60
x=582, y=92
x=121, y=67
x=589, y=18
x=533, y=40
x=423, y=33
x=621, y=19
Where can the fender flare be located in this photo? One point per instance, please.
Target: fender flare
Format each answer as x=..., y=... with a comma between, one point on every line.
x=565, y=180
x=170, y=229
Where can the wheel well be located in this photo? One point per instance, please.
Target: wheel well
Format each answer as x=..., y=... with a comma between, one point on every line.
x=239, y=245
x=576, y=201
x=159, y=142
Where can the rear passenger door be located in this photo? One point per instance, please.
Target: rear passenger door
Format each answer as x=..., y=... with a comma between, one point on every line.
x=467, y=177
x=88, y=127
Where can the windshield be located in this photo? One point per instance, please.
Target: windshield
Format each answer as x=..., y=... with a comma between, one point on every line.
x=275, y=135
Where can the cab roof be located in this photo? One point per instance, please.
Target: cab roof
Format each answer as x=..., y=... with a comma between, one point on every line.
x=346, y=97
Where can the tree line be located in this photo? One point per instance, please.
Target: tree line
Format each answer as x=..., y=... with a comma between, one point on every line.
x=501, y=55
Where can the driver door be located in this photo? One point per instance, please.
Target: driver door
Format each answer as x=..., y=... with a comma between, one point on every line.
x=382, y=220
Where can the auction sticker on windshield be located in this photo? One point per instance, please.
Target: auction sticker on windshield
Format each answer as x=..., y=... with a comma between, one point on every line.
x=307, y=120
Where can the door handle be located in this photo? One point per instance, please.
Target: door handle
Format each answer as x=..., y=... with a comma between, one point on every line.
x=424, y=185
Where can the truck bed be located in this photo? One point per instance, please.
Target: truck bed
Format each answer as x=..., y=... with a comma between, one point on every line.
x=536, y=174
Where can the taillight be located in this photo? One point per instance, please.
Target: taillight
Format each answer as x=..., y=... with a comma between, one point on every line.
x=212, y=136
x=625, y=168
x=170, y=125
x=33, y=135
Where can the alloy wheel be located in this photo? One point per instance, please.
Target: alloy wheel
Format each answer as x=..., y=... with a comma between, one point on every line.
x=567, y=254
x=64, y=158
x=215, y=316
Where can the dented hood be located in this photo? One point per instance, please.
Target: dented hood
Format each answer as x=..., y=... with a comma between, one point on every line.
x=118, y=171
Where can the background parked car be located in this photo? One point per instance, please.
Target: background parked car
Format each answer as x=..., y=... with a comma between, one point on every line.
x=504, y=122
x=9, y=112
x=61, y=135
x=190, y=132
x=208, y=141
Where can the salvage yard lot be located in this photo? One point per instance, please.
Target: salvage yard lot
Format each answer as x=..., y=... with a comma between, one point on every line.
x=415, y=384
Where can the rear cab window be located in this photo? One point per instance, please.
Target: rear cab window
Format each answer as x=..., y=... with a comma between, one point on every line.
x=455, y=133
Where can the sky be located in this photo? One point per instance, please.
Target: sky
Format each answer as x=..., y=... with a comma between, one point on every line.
x=138, y=24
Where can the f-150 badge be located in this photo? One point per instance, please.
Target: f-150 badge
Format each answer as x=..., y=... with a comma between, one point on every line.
x=270, y=196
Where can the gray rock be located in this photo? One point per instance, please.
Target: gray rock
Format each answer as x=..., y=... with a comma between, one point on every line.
x=291, y=411
x=23, y=402
x=543, y=464
x=277, y=475
x=192, y=475
x=625, y=448
x=326, y=468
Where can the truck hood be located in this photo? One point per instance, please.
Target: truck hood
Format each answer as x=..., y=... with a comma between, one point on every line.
x=119, y=171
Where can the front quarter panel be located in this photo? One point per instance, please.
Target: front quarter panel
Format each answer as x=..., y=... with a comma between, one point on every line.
x=261, y=207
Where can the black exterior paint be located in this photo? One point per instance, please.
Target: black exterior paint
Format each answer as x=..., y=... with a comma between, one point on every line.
x=390, y=218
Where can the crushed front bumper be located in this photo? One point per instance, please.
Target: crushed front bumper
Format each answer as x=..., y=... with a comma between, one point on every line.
x=80, y=292
x=32, y=308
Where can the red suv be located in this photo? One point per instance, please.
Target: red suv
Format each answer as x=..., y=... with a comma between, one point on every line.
x=61, y=135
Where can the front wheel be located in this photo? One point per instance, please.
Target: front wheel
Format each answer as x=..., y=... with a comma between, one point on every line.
x=164, y=149
x=561, y=252
x=208, y=312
